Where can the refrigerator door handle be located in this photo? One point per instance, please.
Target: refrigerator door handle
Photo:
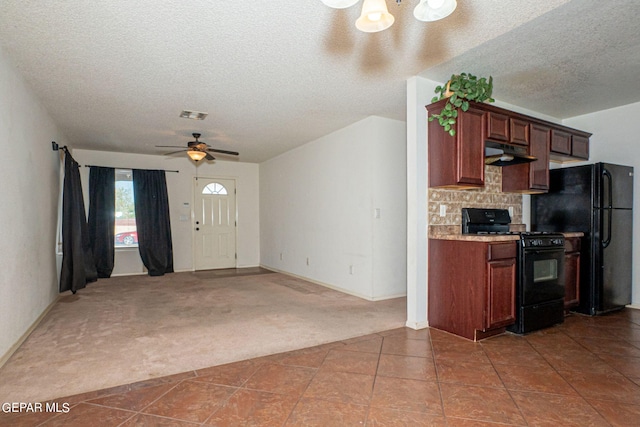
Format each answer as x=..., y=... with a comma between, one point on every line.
x=607, y=174
x=608, y=213
x=607, y=205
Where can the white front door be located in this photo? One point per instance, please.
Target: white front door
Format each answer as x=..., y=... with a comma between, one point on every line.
x=214, y=223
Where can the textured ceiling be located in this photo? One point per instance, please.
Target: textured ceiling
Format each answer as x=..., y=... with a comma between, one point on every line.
x=274, y=75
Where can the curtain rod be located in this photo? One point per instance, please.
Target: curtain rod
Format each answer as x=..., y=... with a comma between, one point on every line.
x=115, y=167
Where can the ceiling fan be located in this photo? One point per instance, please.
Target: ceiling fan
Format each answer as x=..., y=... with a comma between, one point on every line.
x=197, y=150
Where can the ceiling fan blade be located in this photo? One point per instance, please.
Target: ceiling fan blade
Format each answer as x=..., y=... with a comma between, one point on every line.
x=215, y=150
x=169, y=146
x=174, y=152
x=209, y=157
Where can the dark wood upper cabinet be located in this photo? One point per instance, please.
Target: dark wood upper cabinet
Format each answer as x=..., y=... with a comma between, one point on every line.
x=457, y=161
x=531, y=177
x=560, y=142
x=519, y=131
x=580, y=147
x=497, y=127
x=569, y=145
x=539, y=170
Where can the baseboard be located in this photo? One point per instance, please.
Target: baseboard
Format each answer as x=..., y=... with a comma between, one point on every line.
x=129, y=274
x=7, y=355
x=634, y=306
x=335, y=288
x=417, y=325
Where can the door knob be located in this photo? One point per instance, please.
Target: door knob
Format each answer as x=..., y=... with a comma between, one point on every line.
x=197, y=222
x=197, y=229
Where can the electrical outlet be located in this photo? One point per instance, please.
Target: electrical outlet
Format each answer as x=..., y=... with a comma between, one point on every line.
x=351, y=269
x=308, y=261
x=280, y=256
x=511, y=211
x=443, y=210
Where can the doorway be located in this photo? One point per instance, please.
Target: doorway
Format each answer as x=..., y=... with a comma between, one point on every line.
x=214, y=223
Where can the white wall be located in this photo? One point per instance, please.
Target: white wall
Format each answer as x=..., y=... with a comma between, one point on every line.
x=616, y=140
x=318, y=202
x=29, y=213
x=180, y=190
x=419, y=94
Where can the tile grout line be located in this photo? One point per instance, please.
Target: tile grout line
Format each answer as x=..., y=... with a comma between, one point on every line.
x=375, y=380
x=435, y=368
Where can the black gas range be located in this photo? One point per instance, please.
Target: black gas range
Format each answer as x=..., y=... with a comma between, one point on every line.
x=540, y=268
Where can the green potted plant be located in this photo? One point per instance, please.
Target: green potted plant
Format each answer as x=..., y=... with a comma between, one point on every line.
x=460, y=89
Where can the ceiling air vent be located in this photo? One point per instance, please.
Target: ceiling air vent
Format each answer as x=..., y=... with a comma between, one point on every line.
x=193, y=115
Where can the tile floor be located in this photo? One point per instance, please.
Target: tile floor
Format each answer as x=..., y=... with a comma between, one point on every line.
x=585, y=372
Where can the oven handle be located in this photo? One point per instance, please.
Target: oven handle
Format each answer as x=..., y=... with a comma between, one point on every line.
x=545, y=251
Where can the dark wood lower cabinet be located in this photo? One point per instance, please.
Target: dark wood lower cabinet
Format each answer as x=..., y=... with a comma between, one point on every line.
x=471, y=287
x=571, y=273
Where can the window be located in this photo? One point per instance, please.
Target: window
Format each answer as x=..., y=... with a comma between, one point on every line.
x=214, y=188
x=125, y=229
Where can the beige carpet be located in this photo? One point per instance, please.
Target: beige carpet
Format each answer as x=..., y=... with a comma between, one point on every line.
x=133, y=328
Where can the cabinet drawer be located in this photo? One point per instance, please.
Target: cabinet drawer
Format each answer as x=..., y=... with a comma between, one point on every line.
x=501, y=251
x=572, y=244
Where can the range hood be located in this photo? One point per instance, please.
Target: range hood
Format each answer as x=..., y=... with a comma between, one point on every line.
x=496, y=154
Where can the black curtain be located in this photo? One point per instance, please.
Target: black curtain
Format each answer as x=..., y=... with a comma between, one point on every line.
x=152, y=221
x=102, y=207
x=78, y=267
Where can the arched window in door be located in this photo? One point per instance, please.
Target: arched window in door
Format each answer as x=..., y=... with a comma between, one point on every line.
x=215, y=188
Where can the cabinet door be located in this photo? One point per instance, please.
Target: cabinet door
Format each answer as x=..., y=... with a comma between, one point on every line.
x=580, y=147
x=519, y=133
x=497, y=127
x=539, y=170
x=500, y=293
x=571, y=280
x=470, y=145
x=560, y=142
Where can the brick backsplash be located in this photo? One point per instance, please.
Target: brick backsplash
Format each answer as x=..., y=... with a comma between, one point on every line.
x=491, y=196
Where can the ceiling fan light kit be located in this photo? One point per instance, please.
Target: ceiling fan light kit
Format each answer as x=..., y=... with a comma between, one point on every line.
x=339, y=4
x=433, y=10
x=197, y=150
x=195, y=155
x=375, y=16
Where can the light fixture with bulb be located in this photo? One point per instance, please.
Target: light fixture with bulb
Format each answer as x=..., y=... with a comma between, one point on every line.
x=376, y=17
x=196, y=155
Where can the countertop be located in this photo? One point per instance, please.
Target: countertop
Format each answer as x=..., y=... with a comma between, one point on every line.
x=477, y=238
x=450, y=234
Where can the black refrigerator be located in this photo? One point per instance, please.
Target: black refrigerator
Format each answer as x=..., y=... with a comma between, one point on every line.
x=597, y=200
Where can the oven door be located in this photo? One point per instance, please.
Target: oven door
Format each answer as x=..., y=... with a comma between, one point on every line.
x=543, y=275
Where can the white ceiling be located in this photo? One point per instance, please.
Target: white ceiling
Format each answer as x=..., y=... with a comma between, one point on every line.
x=274, y=75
